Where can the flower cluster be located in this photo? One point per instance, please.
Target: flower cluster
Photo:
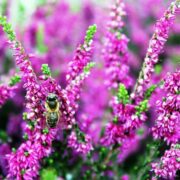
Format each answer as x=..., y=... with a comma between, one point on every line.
x=167, y=123
x=64, y=123
x=7, y=91
x=167, y=127
x=81, y=143
x=156, y=45
x=169, y=163
x=127, y=118
x=115, y=50
x=82, y=55
x=24, y=163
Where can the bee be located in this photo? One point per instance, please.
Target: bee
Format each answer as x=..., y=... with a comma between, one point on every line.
x=52, y=110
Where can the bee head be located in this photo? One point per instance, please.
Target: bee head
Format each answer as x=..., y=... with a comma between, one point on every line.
x=51, y=97
x=52, y=100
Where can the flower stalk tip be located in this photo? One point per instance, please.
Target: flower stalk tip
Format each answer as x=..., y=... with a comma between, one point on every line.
x=7, y=28
x=122, y=94
x=90, y=34
x=46, y=70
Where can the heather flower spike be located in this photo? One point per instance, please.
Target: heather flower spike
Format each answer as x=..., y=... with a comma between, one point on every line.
x=88, y=67
x=7, y=28
x=25, y=161
x=90, y=34
x=156, y=45
x=169, y=164
x=167, y=127
x=68, y=113
x=168, y=110
x=80, y=142
x=115, y=51
x=82, y=55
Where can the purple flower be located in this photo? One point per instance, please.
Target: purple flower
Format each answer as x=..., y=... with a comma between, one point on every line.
x=6, y=92
x=14, y=121
x=156, y=45
x=128, y=147
x=169, y=164
x=115, y=52
x=24, y=163
x=125, y=177
x=124, y=124
x=80, y=60
x=113, y=134
x=168, y=119
x=4, y=150
x=82, y=145
x=172, y=83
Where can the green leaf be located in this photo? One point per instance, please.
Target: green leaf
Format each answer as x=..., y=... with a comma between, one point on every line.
x=45, y=69
x=142, y=107
x=3, y=6
x=80, y=135
x=23, y=171
x=88, y=67
x=14, y=150
x=25, y=136
x=177, y=146
x=7, y=28
x=26, y=153
x=3, y=136
x=45, y=131
x=115, y=120
x=14, y=80
x=158, y=69
x=48, y=174
x=25, y=116
x=140, y=131
x=149, y=91
x=90, y=33
x=122, y=94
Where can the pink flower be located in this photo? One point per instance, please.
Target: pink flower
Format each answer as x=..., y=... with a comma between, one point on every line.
x=24, y=163
x=6, y=92
x=82, y=145
x=156, y=45
x=169, y=163
x=115, y=50
x=125, y=177
x=80, y=60
x=168, y=119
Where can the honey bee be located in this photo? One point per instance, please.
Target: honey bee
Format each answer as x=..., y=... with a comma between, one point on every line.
x=52, y=110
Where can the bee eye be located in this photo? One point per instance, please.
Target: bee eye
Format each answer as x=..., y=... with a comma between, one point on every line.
x=51, y=97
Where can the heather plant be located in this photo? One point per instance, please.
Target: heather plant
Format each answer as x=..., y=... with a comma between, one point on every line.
x=75, y=101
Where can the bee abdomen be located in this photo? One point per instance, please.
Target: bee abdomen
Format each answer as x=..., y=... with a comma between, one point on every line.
x=52, y=119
